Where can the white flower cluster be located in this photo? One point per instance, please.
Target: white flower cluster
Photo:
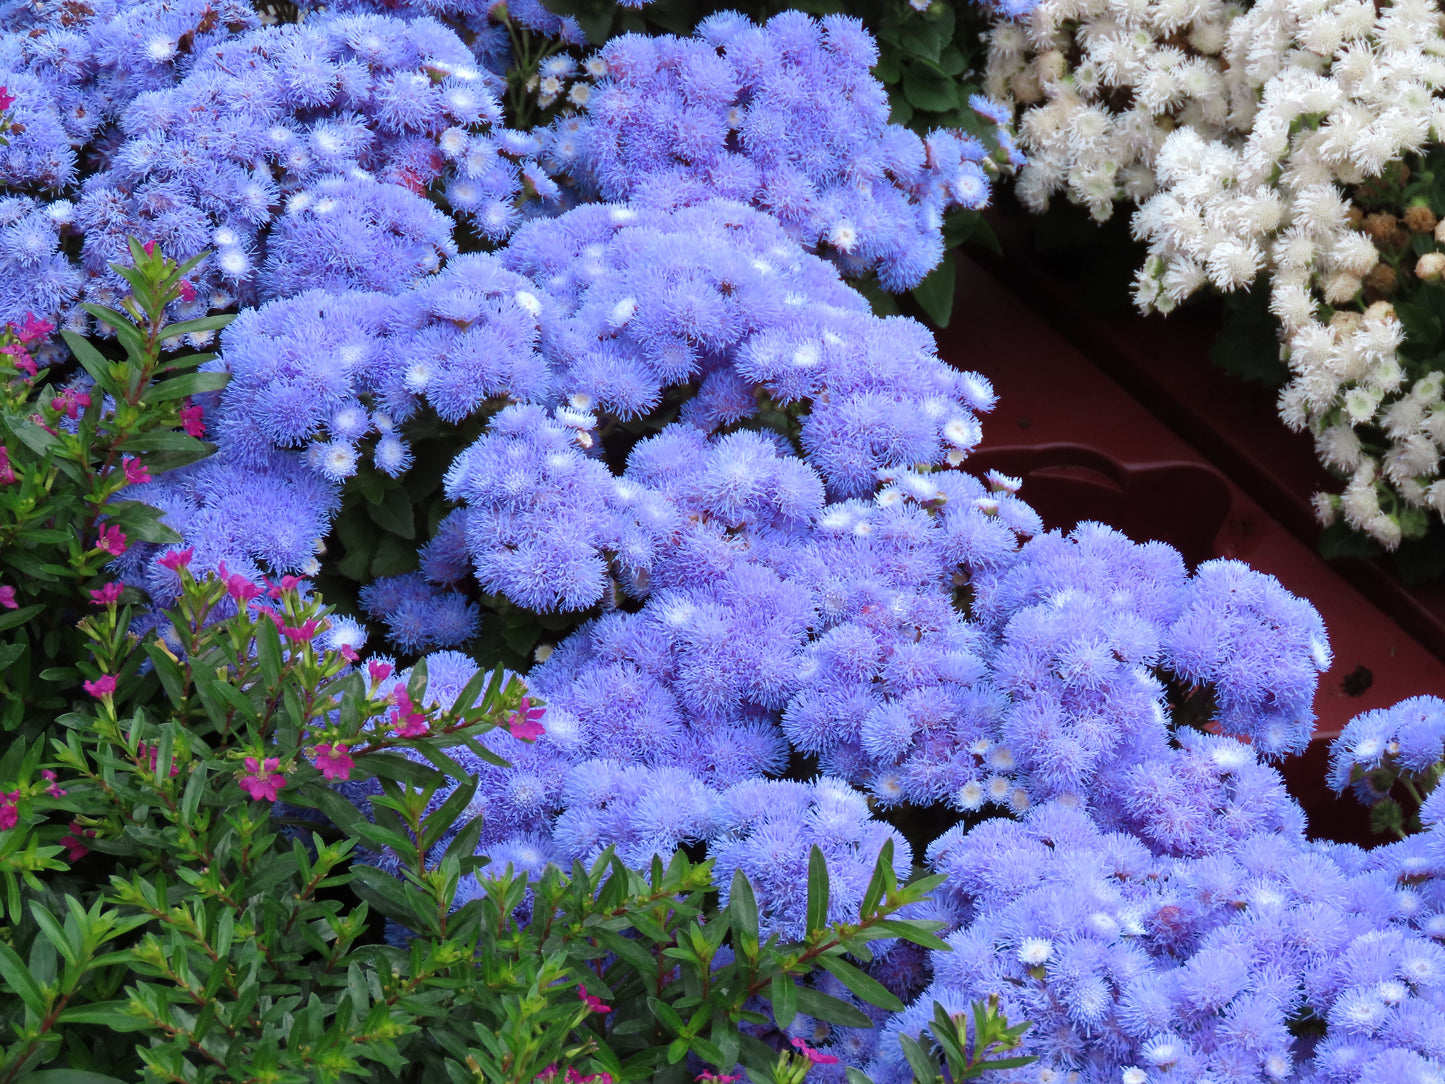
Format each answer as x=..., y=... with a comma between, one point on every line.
x=1103, y=83
x=1305, y=100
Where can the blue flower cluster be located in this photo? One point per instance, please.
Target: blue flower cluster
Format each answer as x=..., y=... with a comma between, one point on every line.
x=696, y=437
x=1408, y=737
x=1200, y=959
x=786, y=117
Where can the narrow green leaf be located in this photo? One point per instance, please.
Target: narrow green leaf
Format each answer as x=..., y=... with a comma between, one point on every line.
x=935, y=293
x=784, y=996
x=268, y=652
x=924, y=1067
x=743, y=915
x=179, y=387
x=95, y=363
x=861, y=983
x=204, y=323
x=73, y=1076
x=817, y=916
x=20, y=616
x=878, y=883
x=830, y=1009
x=17, y=977
x=166, y=440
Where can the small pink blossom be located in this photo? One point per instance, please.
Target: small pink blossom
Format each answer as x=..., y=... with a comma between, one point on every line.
x=574, y=1077
x=112, y=540
x=70, y=402
x=178, y=559
x=524, y=723
x=302, y=634
x=347, y=652
x=7, y=598
x=136, y=472
x=593, y=1003
x=32, y=328
x=715, y=1078
x=334, y=761
x=263, y=780
x=191, y=419
x=412, y=725
x=9, y=809
x=188, y=292
x=20, y=358
x=379, y=671
x=7, y=472
x=54, y=790
x=72, y=842
x=817, y=1057
x=288, y=583
x=150, y=248
x=101, y=687
x=237, y=586
x=153, y=752
x=108, y=594
x=6, y=98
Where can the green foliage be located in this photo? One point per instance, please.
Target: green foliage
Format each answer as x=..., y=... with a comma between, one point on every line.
x=965, y=1057
x=66, y=445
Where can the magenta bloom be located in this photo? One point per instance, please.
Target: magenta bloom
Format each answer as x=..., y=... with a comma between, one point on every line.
x=150, y=248
x=593, y=1003
x=263, y=780
x=72, y=843
x=9, y=809
x=136, y=472
x=524, y=723
x=112, y=540
x=101, y=687
x=817, y=1057
x=191, y=422
x=108, y=594
x=20, y=358
x=188, y=292
x=6, y=98
x=7, y=598
x=178, y=559
x=303, y=634
x=7, y=472
x=32, y=328
x=54, y=789
x=379, y=671
x=334, y=762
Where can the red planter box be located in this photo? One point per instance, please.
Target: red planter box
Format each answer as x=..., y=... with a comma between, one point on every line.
x=1089, y=449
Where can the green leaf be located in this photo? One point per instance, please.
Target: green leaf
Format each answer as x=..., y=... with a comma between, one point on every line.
x=167, y=440
x=204, y=323
x=108, y=1014
x=915, y=931
x=817, y=915
x=830, y=1009
x=179, y=387
x=743, y=914
x=935, y=293
x=878, y=883
x=930, y=92
x=922, y=1065
x=95, y=363
x=784, y=996
x=268, y=652
x=20, y=616
x=141, y=521
x=395, y=514
x=858, y=982
x=73, y=1076
x=667, y=1015
x=17, y=977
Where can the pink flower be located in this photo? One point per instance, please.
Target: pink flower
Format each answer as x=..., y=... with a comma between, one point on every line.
x=7, y=472
x=288, y=583
x=33, y=328
x=191, y=416
x=112, y=540
x=108, y=594
x=334, y=761
x=188, y=292
x=593, y=1003
x=817, y=1057
x=263, y=780
x=7, y=598
x=72, y=842
x=303, y=634
x=523, y=723
x=178, y=559
x=9, y=809
x=347, y=652
x=574, y=1077
x=101, y=687
x=379, y=671
x=6, y=98
x=136, y=472
x=413, y=725
x=150, y=248
x=20, y=358
x=153, y=751
x=54, y=789
x=70, y=402
x=716, y=1078
x=237, y=586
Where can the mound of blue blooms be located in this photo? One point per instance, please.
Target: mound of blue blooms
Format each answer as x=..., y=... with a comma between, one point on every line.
x=669, y=261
